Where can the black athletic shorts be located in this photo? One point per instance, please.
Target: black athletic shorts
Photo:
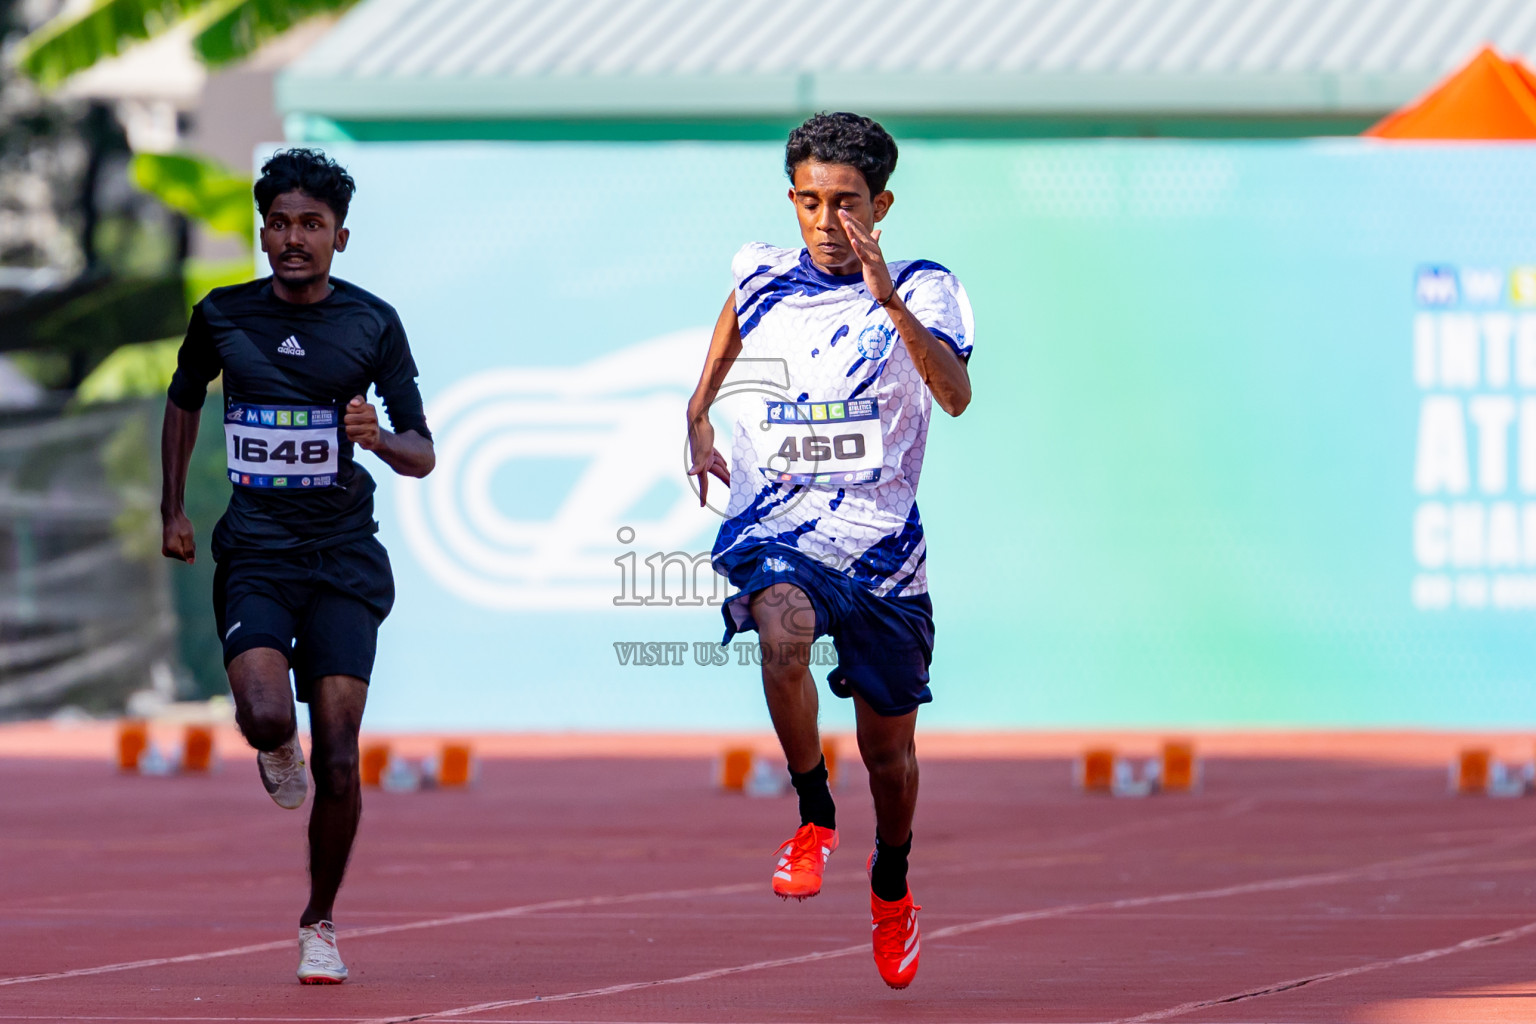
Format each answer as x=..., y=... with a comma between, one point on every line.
x=321, y=609
x=884, y=644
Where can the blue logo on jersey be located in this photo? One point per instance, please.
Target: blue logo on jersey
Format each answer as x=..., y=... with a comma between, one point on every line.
x=251, y=416
x=269, y=417
x=874, y=341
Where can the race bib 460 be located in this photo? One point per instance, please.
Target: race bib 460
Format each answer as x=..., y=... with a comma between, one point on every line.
x=823, y=443
x=285, y=446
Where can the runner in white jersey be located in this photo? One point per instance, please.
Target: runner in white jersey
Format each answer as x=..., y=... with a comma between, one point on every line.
x=822, y=534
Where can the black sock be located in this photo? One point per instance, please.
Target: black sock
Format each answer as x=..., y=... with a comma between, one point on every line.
x=888, y=873
x=816, y=807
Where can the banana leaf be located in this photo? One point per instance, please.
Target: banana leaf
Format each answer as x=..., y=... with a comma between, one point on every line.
x=228, y=31
x=203, y=189
x=234, y=29
x=73, y=42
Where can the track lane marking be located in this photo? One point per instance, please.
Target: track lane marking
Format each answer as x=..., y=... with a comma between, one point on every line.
x=1071, y=841
x=1466, y=945
x=533, y=908
x=1231, y=810
x=290, y=1019
x=520, y=910
x=1382, y=870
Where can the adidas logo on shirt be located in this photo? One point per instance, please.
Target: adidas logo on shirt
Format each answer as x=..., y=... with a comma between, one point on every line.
x=290, y=347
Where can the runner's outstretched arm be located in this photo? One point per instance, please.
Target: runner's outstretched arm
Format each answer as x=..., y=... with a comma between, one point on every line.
x=724, y=347
x=942, y=370
x=407, y=453
x=178, y=436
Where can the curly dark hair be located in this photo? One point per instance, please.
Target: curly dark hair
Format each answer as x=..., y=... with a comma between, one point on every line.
x=844, y=138
x=309, y=171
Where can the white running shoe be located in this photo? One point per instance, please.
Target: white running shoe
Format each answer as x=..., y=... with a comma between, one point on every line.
x=319, y=959
x=282, y=772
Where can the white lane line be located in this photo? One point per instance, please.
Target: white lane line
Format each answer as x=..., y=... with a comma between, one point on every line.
x=1381, y=870
x=487, y=1020
x=631, y=986
x=585, y=1020
x=389, y=929
x=356, y=933
x=1480, y=942
x=82, y=972
x=1237, y=808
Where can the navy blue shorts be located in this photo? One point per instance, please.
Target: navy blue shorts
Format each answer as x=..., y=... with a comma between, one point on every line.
x=320, y=609
x=884, y=644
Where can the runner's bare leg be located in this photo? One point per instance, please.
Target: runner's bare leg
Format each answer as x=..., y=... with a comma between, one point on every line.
x=786, y=624
x=335, y=716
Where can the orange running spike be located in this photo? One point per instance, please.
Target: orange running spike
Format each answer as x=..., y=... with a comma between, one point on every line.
x=896, y=939
x=801, y=861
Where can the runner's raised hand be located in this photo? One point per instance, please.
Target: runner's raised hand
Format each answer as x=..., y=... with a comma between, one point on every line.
x=362, y=423
x=866, y=246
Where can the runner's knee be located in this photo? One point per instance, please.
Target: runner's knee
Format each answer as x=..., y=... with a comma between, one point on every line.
x=783, y=615
x=785, y=664
x=336, y=772
x=893, y=763
x=266, y=725
x=258, y=677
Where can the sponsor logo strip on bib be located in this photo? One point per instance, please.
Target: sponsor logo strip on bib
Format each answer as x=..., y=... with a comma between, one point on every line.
x=284, y=446
x=823, y=443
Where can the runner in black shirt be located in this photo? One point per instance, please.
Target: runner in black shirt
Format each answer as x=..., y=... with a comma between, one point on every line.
x=302, y=583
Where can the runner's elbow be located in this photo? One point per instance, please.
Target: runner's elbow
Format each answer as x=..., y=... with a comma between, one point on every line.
x=417, y=466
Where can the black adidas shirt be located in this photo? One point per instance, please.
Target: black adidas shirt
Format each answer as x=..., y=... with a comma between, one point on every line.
x=273, y=352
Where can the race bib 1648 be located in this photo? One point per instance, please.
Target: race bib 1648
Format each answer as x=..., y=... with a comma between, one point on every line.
x=293, y=447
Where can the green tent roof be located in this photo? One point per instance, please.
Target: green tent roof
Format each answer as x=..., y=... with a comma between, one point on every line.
x=485, y=60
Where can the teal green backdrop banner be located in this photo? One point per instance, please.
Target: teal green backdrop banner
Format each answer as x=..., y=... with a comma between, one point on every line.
x=1253, y=440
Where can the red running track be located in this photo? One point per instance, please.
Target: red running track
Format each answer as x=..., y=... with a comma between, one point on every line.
x=590, y=889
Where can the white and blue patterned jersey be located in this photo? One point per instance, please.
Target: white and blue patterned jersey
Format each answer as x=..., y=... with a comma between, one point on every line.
x=846, y=366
